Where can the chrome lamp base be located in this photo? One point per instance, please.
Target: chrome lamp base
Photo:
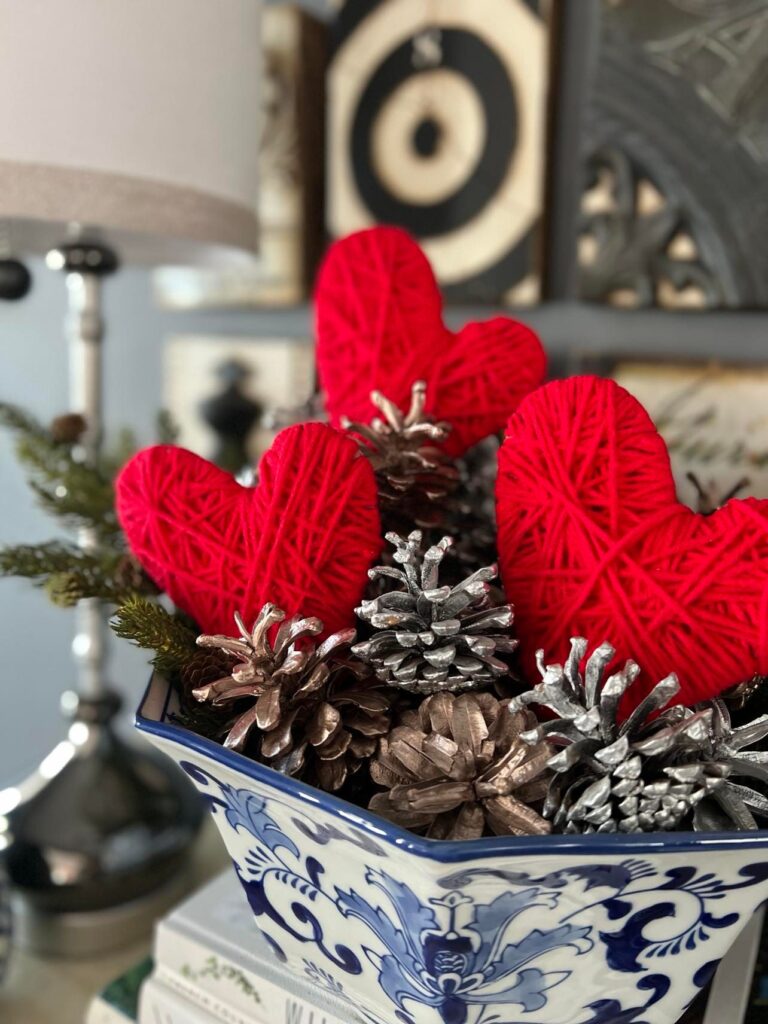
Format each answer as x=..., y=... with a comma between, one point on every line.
x=99, y=841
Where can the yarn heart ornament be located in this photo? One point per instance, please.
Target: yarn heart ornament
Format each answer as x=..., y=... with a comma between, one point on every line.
x=593, y=542
x=303, y=538
x=380, y=328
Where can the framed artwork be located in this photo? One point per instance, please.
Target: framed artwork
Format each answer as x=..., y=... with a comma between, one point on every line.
x=214, y=387
x=291, y=179
x=714, y=419
x=673, y=213
x=437, y=122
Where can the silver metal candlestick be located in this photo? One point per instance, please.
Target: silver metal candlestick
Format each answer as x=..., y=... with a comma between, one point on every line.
x=96, y=841
x=86, y=265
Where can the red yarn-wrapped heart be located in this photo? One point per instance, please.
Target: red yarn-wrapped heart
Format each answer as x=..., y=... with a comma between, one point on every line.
x=304, y=538
x=594, y=543
x=380, y=328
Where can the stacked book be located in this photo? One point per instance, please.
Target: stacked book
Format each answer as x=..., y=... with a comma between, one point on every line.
x=211, y=965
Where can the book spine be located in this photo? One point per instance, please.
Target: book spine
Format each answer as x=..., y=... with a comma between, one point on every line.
x=159, y=1004
x=272, y=1004
x=187, y=964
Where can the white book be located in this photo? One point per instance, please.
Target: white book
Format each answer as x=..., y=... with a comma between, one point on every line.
x=210, y=951
x=159, y=1004
x=163, y=991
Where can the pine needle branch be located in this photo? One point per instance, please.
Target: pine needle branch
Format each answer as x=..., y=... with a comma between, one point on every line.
x=33, y=561
x=21, y=422
x=66, y=486
x=68, y=574
x=149, y=626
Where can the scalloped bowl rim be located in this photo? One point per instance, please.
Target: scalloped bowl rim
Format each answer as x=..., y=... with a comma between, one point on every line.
x=439, y=850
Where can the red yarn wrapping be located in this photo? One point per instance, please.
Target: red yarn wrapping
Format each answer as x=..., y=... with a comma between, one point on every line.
x=594, y=543
x=304, y=538
x=379, y=327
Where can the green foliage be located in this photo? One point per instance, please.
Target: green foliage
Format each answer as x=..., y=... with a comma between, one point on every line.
x=89, y=579
x=65, y=485
x=148, y=625
x=81, y=496
x=35, y=561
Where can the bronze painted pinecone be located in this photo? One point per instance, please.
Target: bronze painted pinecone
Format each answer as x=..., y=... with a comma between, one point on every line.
x=415, y=476
x=457, y=768
x=206, y=667
x=299, y=706
x=326, y=740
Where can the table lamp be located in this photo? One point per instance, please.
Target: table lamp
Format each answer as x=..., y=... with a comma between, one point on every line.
x=128, y=132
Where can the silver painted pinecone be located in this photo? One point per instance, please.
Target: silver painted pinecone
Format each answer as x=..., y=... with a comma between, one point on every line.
x=430, y=638
x=660, y=769
x=734, y=804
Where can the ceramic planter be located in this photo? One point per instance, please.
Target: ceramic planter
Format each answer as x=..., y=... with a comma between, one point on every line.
x=554, y=930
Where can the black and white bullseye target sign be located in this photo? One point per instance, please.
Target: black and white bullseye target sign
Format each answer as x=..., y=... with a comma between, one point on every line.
x=437, y=113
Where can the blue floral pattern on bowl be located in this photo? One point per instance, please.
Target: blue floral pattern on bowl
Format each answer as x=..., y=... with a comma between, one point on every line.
x=552, y=930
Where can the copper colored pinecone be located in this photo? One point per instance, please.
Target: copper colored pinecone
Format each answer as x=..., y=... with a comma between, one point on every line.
x=300, y=706
x=206, y=667
x=415, y=477
x=326, y=740
x=457, y=768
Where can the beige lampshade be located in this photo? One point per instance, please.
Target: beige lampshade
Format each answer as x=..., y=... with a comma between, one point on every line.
x=136, y=117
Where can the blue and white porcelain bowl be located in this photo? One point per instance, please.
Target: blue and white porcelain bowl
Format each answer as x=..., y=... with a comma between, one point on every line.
x=553, y=930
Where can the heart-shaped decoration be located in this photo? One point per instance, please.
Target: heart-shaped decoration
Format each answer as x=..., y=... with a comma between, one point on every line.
x=380, y=328
x=303, y=538
x=593, y=542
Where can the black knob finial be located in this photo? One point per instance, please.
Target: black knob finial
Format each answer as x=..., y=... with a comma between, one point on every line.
x=15, y=279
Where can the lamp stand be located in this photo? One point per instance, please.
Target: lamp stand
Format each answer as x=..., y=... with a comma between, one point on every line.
x=86, y=265
x=98, y=837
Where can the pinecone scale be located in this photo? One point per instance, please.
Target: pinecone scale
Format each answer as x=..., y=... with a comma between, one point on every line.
x=426, y=637
x=457, y=768
x=301, y=707
x=664, y=767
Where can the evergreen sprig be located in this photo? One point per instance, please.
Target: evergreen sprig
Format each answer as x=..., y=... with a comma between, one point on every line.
x=66, y=486
x=35, y=561
x=90, y=578
x=79, y=495
x=149, y=626
x=68, y=574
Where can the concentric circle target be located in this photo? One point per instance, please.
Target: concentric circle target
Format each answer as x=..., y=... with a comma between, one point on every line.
x=437, y=124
